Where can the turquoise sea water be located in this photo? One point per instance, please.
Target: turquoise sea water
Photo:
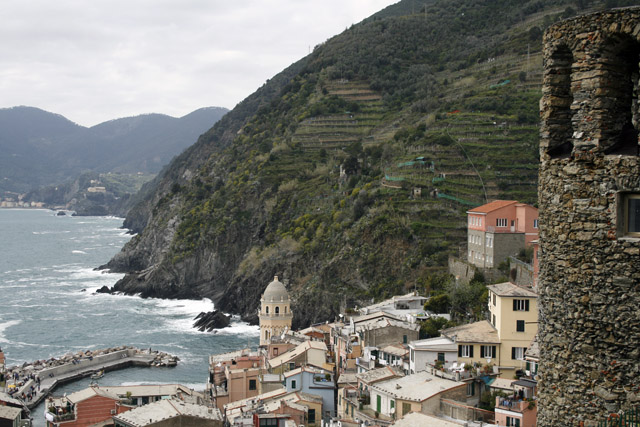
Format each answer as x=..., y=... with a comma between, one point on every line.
x=48, y=304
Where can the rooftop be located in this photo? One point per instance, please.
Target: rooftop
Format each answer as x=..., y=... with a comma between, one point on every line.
x=275, y=292
x=149, y=390
x=89, y=392
x=166, y=409
x=9, y=412
x=225, y=357
x=4, y=397
x=437, y=343
x=307, y=368
x=502, y=383
x=396, y=350
x=379, y=374
x=347, y=378
x=380, y=322
x=492, y=206
x=477, y=332
x=508, y=289
x=297, y=351
x=416, y=387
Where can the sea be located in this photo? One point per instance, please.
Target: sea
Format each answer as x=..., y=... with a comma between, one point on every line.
x=49, y=307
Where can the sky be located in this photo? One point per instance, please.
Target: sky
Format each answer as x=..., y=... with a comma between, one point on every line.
x=98, y=60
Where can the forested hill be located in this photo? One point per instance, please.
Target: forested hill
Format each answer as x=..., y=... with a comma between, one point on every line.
x=41, y=148
x=349, y=173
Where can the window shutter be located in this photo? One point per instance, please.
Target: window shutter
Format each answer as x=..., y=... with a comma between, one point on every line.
x=513, y=353
x=515, y=305
x=470, y=351
x=493, y=351
x=459, y=351
x=482, y=351
x=526, y=305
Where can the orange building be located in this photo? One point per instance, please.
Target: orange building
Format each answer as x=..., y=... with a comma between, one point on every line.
x=498, y=230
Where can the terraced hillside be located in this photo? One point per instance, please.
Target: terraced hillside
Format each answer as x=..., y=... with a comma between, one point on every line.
x=349, y=174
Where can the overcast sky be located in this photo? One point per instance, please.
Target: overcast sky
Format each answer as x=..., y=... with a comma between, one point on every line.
x=98, y=60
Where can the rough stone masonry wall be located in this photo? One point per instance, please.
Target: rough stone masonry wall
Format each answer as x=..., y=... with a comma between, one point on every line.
x=589, y=285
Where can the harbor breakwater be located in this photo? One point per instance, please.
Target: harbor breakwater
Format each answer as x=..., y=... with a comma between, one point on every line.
x=32, y=382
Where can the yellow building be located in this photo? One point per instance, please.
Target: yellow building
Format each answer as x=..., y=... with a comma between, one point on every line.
x=502, y=341
x=514, y=313
x=275, y=311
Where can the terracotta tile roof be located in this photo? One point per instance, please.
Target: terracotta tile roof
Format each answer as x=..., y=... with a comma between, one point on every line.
x=490, y=207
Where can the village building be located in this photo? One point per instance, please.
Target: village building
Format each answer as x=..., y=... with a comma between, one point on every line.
x=513, y=311
x=312, y=353
x=405, y=307
x=83, y=408
x=315, y=381
x=362, y=338
x=347, y=392
x=498, y=230
x=139, y=395
x=275, y=311
x=8, y=407
x=170, y=413
x=234, y=376
x=503, y=340
x=10, y=416
x=441, y=352
x=243, y=412
x=419, y=392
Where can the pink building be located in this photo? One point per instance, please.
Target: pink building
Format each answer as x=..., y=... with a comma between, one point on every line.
x=498, y=230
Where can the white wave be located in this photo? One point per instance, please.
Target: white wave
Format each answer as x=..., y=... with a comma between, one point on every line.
x=238, y=328
x=40, y=233
x=183, y=306
x=78, y=252
x=6, y=325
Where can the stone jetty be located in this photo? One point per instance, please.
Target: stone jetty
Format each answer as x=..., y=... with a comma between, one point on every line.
x=39, y=378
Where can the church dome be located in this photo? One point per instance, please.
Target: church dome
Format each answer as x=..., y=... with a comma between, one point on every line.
x=275, y=292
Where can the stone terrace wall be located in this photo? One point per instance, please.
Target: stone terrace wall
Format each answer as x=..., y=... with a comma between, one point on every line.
x=589, y=284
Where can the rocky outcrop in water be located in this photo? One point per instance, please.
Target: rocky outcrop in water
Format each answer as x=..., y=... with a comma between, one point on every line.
x=207, y=322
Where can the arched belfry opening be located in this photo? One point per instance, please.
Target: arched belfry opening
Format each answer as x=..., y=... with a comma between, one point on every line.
x=620, y=57
x=560, y=98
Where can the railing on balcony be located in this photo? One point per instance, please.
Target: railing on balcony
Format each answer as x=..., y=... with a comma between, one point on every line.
x=56, y=418
x=515, y=405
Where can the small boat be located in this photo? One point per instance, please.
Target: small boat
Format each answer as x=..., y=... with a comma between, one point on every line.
x=97, y=375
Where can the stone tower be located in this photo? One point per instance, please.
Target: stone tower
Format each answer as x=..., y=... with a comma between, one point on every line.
x=275, y=311
x=589, y=199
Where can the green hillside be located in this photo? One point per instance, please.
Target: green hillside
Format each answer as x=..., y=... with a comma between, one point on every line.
x=349, y=174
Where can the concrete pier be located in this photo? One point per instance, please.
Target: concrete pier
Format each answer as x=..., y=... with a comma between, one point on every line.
x=52, y=376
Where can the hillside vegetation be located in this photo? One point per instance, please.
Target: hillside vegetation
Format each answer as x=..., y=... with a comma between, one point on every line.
x=349, y=174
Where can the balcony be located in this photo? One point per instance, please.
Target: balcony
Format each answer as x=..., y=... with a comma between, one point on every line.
x=56, y=415
x=514, y=405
